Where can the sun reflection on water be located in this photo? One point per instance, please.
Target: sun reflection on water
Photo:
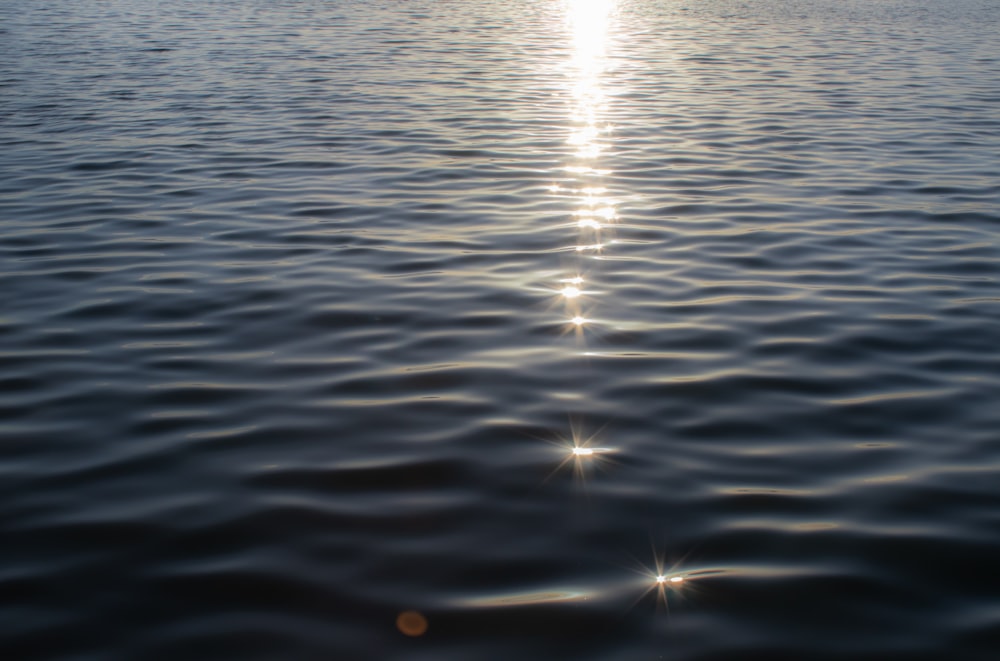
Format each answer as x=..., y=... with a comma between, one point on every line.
x=581, y=452
x=583, y=183
x=661, y=580
x=592, y=209
x=570, y=291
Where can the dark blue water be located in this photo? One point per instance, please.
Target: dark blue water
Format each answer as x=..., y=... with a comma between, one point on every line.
x=315, y=313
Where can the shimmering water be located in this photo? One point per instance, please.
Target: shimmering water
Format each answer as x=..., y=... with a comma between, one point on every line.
x=307, y=304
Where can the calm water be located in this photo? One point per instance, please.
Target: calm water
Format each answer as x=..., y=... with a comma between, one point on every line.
x=307, y=304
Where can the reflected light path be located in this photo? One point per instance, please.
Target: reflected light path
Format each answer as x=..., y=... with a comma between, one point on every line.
x=589, y=136
x=583, y=184
x=592, y=213
x=589, y=25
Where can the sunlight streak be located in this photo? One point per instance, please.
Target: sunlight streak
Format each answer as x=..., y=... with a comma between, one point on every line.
x=589, y=130
x=588, y=136
x=589, y=22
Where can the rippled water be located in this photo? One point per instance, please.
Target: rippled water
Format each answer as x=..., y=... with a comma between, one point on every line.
x=306, y=306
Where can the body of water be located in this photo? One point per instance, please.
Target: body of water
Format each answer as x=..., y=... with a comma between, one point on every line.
x=468, y=329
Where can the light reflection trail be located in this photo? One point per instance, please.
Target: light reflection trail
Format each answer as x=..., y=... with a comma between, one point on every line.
x=589, y=137
x=593, y=214
x=591, y=210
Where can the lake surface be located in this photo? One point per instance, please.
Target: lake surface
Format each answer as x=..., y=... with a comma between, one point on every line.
x=318, y=313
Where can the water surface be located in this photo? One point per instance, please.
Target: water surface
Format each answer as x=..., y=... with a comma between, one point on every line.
x=307, y=305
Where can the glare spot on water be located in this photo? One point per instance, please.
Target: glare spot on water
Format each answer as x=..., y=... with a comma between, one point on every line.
x=580, y=452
